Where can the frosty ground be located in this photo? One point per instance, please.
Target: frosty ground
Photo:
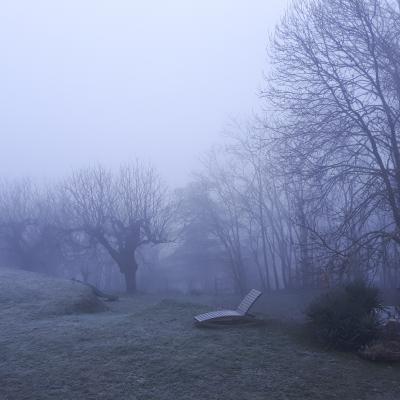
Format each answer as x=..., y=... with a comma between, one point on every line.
x=146, y=347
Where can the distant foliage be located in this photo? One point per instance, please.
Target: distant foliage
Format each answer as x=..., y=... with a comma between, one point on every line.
x=344, y=318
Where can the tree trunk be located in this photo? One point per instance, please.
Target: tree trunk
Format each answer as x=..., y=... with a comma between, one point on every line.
x=129, y=268
x=130, y=278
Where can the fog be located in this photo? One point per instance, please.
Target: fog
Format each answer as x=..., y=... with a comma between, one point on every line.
x=172, y=166
x=104, y=81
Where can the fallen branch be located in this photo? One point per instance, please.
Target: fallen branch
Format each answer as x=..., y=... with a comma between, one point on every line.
x=97, y=292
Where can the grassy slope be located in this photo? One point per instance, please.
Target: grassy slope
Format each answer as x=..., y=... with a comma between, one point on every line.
x=29, y=295
x=144, y=348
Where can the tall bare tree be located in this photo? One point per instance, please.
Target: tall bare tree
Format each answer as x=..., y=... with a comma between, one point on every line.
x=121, y=212
x=335, y=87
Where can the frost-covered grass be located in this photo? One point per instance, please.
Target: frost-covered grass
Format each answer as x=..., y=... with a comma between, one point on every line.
x=147, y=348
x=30, y=295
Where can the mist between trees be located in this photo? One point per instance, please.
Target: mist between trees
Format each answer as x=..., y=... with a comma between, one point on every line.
x=305, y=196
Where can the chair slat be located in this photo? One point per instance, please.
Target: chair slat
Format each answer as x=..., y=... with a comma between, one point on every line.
x=217, y=314
x=248, y=301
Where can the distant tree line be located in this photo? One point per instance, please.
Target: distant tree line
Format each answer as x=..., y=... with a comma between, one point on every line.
x=306, y=196
x=93, y=215
x=309, y=194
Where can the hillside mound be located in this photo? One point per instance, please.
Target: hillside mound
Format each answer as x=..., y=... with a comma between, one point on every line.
x=29, y=294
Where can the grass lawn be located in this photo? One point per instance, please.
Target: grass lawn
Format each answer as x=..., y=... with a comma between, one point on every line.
x=147, y=348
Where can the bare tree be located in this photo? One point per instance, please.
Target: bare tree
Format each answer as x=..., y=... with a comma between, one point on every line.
x=262, y=208
x=29, y=236
x=121, y=212
x=222, y=209
x=246, y=211
x=336, y=89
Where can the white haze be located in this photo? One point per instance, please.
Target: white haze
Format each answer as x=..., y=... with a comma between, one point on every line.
x=87, y=81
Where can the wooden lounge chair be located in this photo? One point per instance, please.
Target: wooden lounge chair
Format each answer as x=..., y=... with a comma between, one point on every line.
x=240, y=315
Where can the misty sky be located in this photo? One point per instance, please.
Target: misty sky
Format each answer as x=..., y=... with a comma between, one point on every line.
x=86, y=81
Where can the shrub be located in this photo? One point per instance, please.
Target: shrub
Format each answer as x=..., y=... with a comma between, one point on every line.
x=345, y=318
x=382, y=351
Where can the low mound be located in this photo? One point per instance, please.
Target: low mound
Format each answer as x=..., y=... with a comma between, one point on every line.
x=36, y=295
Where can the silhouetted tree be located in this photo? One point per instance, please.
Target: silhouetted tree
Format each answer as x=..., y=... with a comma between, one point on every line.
x=121, y=212
x=335, y=89
x=29, y=235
